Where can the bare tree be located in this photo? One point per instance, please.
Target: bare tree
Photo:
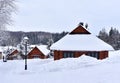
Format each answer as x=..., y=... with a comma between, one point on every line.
x=7, y=7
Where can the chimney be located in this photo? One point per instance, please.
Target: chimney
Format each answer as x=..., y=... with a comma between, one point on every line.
x=81, y=24
x=86, y=25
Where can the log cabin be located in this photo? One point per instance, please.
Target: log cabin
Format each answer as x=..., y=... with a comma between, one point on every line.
x=14, y=55
x=40, y=52
x=78, y=42
x=36, y=51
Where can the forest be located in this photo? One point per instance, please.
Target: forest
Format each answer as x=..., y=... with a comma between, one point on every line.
x=9, y=38
x=112, y=37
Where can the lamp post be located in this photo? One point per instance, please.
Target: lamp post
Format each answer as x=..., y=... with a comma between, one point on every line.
x=25, y=39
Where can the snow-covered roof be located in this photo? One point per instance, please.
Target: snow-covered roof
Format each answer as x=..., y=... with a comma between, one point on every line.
x=81, y=42
x=6, y=49
x=9, y=47
x=32, y=46
x=26, y=38
x=42, y=48
x=3, y=48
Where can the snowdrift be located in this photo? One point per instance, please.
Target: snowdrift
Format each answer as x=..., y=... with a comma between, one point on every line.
x=84, y=69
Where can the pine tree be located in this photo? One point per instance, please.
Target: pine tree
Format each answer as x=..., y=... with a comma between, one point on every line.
x=113, y=38
x=103, y=35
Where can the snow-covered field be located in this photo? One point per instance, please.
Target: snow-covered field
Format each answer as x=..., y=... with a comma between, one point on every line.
x=72, y=70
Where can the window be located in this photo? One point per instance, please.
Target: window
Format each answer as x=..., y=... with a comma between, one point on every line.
x=68, y=54
x=36, y=56
x=93, y=54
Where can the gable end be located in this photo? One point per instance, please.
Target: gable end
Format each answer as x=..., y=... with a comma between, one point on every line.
x=80, y=30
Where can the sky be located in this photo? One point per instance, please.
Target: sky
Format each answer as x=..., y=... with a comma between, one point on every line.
x=65, y=15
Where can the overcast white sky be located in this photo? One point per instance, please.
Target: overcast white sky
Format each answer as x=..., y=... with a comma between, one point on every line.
x=64, y=15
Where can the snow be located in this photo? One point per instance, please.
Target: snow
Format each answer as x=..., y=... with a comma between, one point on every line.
x=85, y=42
x=42, y=48
x=84, y=69
x=25, y=38
x=1, y=48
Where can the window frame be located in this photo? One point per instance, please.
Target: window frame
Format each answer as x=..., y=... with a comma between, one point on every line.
x=68, y=54
x=93, y=54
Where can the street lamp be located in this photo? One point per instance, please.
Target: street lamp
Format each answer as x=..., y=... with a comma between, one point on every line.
x=25, y=40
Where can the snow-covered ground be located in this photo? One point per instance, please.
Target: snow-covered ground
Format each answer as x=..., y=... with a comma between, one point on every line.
x=72, y=70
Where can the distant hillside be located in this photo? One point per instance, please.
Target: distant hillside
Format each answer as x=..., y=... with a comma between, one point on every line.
x=14, y=38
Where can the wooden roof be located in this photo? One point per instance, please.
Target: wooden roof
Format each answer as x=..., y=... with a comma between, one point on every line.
x=35, y=51
x=14, y=52
x=80, y=30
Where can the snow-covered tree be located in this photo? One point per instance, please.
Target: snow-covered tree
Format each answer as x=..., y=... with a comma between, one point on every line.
x=21, y=47
x=104, y=35
x=50, y=42
x=113, y=38
x=6, y=52
x=7, y=7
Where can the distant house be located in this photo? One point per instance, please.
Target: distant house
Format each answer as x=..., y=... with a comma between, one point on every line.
x=39, y=52
x=78, y=42
x=10, y=52
x=14, y=55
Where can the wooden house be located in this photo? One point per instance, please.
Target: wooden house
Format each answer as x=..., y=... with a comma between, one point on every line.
x=78, y=42
x=14, y=55
x=39, y=52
